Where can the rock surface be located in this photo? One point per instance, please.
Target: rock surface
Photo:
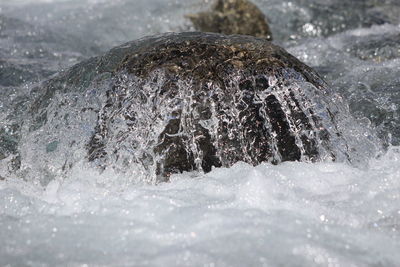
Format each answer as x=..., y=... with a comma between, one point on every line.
x=194, y=101
x=233, y=17
x=185, y=102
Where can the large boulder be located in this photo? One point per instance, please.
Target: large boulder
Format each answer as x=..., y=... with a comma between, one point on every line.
x=188, y=101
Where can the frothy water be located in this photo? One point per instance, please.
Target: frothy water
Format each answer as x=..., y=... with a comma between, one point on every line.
x=292, y=214
x=301, y=214
x=363, y=66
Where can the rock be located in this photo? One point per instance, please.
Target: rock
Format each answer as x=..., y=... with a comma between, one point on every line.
x=194, y=101
x=233, y=17
x=184, y=102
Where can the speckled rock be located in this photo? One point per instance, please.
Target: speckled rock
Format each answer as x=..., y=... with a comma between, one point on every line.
x=233, y=17
x=194, y=101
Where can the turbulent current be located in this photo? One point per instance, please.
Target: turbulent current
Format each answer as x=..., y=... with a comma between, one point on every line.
x=57, y=208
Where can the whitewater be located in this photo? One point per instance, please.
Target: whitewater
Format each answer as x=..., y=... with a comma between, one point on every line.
x=291, y=214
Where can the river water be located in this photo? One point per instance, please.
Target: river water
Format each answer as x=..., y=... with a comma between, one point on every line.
x=291, y=214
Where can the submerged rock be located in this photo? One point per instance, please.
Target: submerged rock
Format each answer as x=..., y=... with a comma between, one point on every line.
x=188, y=101
x=233, y=17
x=376, y=47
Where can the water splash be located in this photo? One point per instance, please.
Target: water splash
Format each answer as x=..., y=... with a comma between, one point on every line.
x=144, y=121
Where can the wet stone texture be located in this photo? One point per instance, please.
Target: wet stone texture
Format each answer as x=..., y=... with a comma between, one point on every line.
x=232, y=17
x=194, y=101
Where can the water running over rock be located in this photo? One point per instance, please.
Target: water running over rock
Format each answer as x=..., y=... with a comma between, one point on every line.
x=56, y=208
x=191, y=101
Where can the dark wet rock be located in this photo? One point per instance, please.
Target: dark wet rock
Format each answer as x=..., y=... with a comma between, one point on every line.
x=189, y=101
x=234, y=107
x=233, y=17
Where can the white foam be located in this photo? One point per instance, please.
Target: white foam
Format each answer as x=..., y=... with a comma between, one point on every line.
x=294, y=213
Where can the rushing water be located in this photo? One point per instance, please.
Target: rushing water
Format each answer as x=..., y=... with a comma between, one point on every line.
x=295, y=213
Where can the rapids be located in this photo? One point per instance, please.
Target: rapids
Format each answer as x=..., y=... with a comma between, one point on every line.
x=292, y=214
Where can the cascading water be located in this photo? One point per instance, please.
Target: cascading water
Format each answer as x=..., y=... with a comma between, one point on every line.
x=150, y=110
x=59, y=208
x=161, y=122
